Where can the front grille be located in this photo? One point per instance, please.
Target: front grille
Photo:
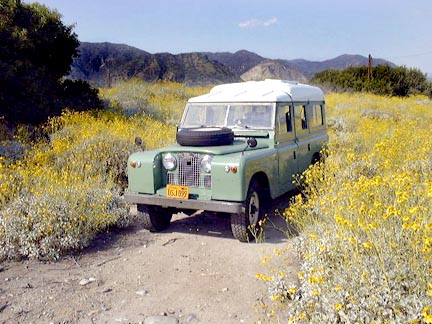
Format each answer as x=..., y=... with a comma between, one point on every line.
x=188, y=172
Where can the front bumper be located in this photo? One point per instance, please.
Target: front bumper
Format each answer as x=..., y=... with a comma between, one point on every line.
x=209, y=205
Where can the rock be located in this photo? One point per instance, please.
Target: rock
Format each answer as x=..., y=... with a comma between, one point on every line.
x=3, y=307
x=105, y=307
x=191, y=318
x=85, y=282
x=160, y=320
x=27, y=286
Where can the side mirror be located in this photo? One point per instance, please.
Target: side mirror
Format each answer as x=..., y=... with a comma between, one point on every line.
x=252, y=142
x=138, y=141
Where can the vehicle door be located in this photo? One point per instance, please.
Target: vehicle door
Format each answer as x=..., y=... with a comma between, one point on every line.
x=286, y=147
x=302, y=137
x=318, y=132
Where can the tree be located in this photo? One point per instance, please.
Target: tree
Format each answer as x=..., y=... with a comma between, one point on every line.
x=417, y=81
x=36, y=51
x=79, y=96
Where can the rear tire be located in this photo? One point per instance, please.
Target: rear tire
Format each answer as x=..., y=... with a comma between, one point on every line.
x=245, y=225
x=154, y=218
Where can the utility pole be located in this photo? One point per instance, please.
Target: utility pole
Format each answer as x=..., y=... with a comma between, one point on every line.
x=370, y=68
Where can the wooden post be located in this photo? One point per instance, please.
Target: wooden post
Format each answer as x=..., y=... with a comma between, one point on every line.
x=370, y=68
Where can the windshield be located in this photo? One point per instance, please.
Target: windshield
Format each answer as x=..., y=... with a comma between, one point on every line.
x=250, y=115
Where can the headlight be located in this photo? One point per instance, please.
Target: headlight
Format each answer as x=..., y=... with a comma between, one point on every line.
x=206, y=163
x=169, y=161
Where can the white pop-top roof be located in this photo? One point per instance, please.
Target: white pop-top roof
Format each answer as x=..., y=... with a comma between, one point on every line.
x=262, y=91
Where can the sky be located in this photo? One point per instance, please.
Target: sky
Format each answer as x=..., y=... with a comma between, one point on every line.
x=396, y=30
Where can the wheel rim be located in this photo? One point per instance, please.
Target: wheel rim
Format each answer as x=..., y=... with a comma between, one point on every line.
x=254, y=208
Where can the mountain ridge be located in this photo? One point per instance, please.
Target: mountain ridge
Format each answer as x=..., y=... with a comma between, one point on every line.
x=103, y=64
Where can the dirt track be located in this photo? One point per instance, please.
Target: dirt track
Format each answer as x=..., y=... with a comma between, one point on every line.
x=195, y=273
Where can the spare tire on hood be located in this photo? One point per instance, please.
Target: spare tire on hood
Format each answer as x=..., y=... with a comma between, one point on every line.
x=211, y=136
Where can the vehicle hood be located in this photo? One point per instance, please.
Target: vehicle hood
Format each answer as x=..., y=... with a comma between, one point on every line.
x=236, y=146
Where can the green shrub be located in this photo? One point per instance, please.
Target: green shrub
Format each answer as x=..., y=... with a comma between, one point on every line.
x=385, y=80
x=68, y=186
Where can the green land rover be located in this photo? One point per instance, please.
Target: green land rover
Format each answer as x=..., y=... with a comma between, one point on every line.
x=237, y=149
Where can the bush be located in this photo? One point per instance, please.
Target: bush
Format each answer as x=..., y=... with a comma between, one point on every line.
x=365, y=218
x=163, y=101
x=385, y=80
x=68, y=187
x=45, y=225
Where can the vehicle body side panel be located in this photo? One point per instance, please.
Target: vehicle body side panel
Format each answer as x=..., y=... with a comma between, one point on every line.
x=233, y=186
x=148, y=177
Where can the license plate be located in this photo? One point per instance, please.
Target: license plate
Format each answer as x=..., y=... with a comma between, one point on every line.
x=178, y=192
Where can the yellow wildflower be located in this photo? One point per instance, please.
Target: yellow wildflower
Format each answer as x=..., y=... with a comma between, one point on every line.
x=427, y=314
x=367, y=245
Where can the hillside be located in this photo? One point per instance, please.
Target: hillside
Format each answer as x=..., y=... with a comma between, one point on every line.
x=309, y=68
x=272, y=69
x=102, y=64
x=239, y=62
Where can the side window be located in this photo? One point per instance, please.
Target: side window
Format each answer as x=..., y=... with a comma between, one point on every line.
x=288, y=120
x=303, y=118
x=316, y=116
x=300, y=116
x=284, y=119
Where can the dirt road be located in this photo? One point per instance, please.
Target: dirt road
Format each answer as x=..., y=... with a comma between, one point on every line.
x=194, y=272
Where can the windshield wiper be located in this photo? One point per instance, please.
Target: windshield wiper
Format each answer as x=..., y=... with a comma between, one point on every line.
x=241, y=126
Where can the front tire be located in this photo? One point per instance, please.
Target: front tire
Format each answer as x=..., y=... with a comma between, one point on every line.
x=154, y=218
x=245, y=225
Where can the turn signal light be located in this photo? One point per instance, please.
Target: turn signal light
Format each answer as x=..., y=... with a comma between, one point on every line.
x=135, y=164
x=231, y=168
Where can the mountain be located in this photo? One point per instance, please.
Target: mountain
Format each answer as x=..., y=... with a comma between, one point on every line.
x=273, y=69
x=239, y=62
x=242, y=61
x=99, y=62
x=102, y=64
x=309, y=68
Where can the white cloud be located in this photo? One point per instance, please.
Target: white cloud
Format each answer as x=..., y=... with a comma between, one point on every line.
x=252, y=23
